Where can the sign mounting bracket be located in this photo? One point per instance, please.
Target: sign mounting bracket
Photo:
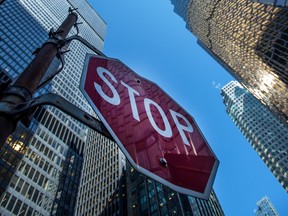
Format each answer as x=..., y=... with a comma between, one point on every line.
x=21, y=110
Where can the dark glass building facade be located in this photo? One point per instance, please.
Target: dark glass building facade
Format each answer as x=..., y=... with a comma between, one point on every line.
x=148, y=197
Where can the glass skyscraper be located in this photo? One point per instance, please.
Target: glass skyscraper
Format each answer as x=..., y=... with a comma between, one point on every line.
x=267, y=134
x=148, y=197
x=265, y=208
x=40, y=166
x=250, y=40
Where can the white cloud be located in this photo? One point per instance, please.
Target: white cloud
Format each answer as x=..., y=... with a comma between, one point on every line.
x=216, y=85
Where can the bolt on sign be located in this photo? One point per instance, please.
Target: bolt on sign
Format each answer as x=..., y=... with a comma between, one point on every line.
x=158, y=137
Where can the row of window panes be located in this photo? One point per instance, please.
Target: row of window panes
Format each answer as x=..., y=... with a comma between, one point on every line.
x=44, y=150
x=38, y=178
x=19, y=36
x=19, y=16
x=59, y=130
x=20, y=208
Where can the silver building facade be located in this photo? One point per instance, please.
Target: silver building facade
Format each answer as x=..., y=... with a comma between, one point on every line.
x=102, y=189
x=265, y=207
x=267, y=134
x=41, y=166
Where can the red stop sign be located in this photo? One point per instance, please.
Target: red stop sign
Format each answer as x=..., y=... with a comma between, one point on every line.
x=159, y=138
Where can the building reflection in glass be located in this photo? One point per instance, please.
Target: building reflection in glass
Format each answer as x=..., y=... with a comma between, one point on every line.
x=250, y=40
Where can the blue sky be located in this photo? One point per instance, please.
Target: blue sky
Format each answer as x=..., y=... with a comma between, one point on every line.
x=152, y=40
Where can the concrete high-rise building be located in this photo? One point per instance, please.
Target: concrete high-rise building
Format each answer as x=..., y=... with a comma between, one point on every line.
x=40, y=166
x=102, y=188
x=262, y=129
x=265, y=208
x=250, y=40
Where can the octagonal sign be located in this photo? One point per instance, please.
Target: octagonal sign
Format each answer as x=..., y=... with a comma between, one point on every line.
x=159, y=138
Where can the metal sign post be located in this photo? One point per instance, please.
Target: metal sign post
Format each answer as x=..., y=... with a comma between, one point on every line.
x=26, y=84
x=16, y=102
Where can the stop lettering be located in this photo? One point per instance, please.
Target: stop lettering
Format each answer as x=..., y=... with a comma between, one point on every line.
x=158, y=137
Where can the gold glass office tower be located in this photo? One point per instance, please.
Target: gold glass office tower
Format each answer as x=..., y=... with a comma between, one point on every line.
x=280, y=3
x=250, y=40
